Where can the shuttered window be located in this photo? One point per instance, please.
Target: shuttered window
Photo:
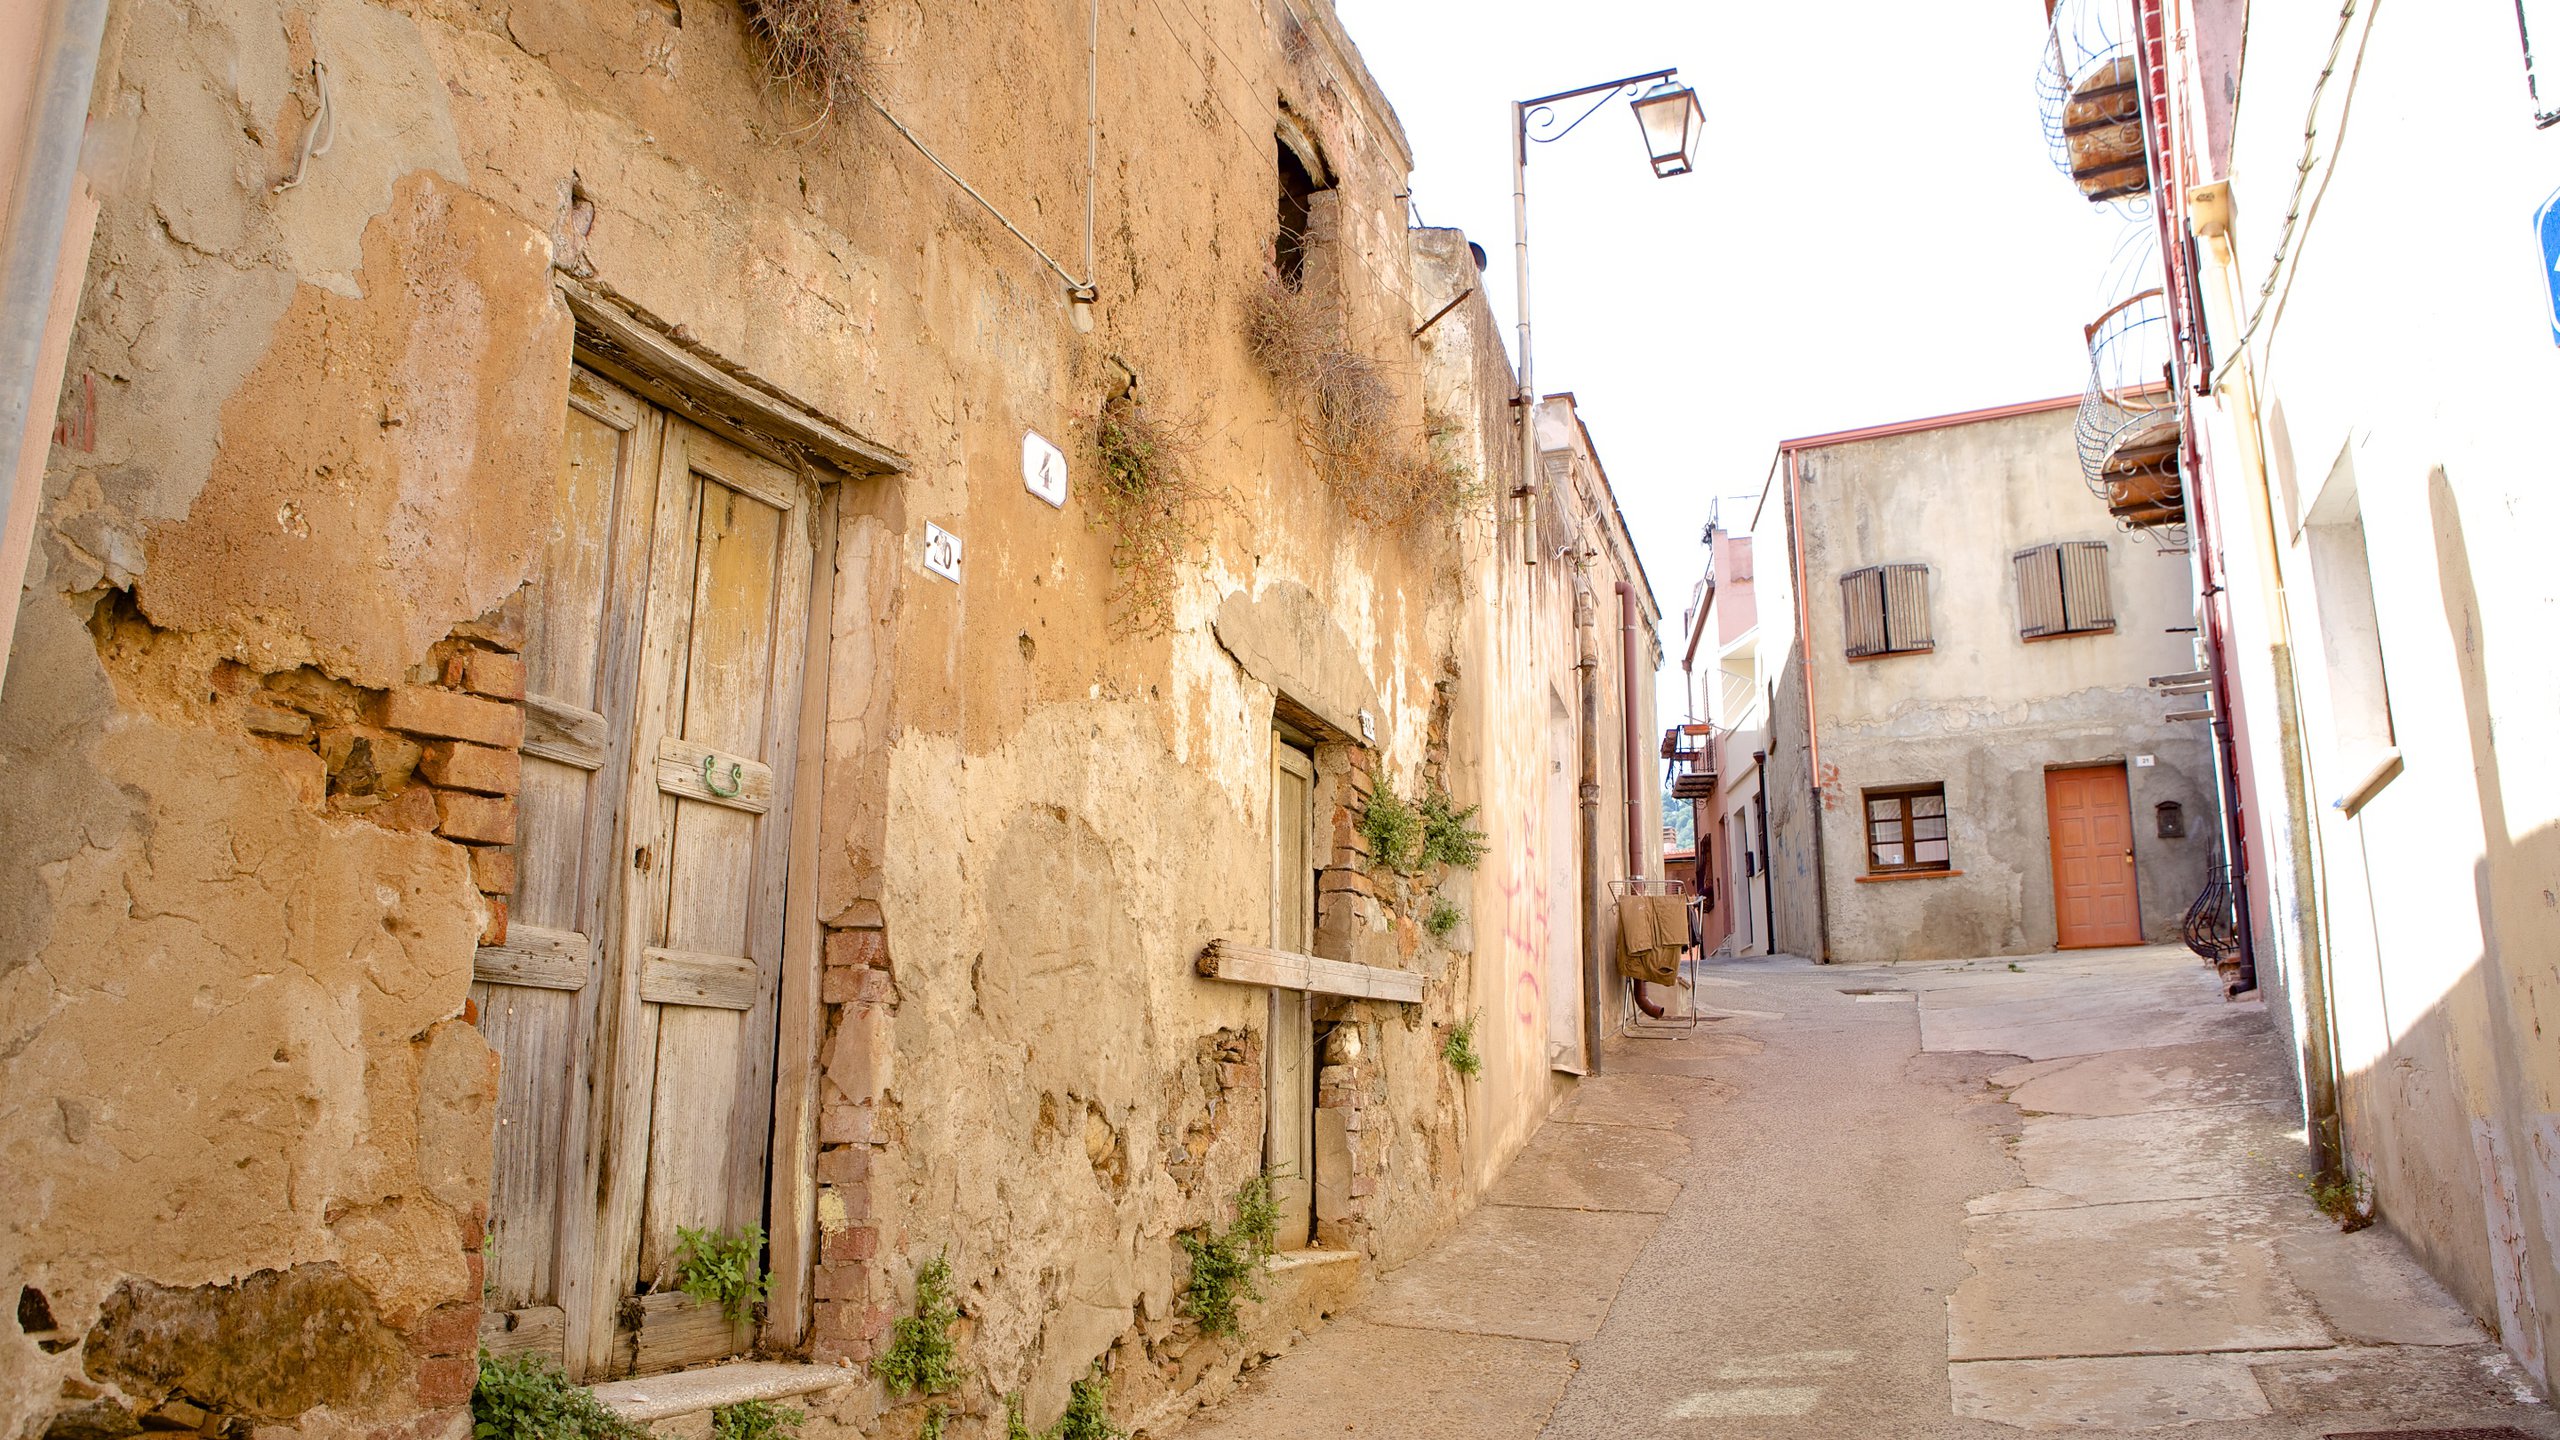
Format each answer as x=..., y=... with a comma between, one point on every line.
x=2062, y=590
x=1885, y=610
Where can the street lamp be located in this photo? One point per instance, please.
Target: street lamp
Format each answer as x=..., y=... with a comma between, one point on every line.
x=1669, y=119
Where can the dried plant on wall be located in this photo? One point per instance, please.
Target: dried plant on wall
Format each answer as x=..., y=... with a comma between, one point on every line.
x=813, y=44
x=1384, y=472
x=1152, y=503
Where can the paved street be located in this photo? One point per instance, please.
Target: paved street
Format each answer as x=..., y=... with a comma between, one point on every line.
x=1946, y=1200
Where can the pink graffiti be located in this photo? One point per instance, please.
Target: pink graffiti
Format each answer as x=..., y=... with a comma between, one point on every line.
x=1525, y=930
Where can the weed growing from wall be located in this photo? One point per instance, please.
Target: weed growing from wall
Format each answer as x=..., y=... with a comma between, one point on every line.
x=756, y=1420
x=1444, y=917
x=2344, y=1198
x=921, y=1358
x=526, y=1397
x=1226, y=1266
x=724, y=1267
x=1088, y=1414
x=1392, y=827
x=1087, y=1417
x=1460, y=1048
x=815, y=45
x=1447, y=836
x=1153, y=505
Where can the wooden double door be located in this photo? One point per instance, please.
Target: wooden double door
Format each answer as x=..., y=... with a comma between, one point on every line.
x=632, y=1003
x=2089, y=817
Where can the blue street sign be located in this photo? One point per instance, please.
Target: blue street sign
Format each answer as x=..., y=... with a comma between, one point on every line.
x=2548, y=224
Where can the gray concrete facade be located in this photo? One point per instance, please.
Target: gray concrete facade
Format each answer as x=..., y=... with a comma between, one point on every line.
x=1982, y=710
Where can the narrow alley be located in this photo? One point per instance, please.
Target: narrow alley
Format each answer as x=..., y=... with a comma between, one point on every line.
x=1964, y=1199
x=898, y=720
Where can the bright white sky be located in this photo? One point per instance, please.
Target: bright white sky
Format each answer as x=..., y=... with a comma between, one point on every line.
x=1874, y=231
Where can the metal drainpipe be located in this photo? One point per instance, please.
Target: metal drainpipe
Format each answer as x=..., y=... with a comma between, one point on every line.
x=2168, y=187
x=48, y=171
x=1635, y=806
x=1586, y=624
x=2319, y=1038
x=1812, y=740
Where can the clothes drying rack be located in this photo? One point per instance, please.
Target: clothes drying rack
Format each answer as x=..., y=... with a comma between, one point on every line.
x=1686, y=1018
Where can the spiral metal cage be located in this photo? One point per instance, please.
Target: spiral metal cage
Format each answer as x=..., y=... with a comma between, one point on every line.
x=2089, y=98
x=2127, y=431
x=2211, y=928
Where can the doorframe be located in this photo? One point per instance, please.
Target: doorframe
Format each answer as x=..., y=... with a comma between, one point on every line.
x=2053, y=872
x=627, y=345
x=1294, y=751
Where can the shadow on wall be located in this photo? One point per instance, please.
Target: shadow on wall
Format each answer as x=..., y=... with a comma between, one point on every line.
x=2455, y=1119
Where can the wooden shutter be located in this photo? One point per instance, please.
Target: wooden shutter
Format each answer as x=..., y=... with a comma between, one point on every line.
x=2085, y=603
x=1862, y=611
x=2040, y=610
x=1906, y=607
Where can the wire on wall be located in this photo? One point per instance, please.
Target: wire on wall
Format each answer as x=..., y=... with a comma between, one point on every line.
x=2293, y=210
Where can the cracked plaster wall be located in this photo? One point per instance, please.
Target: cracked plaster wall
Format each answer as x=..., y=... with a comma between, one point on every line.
x=312, y=433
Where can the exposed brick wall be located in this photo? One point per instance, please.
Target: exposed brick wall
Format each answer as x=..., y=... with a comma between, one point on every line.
x=441, y=752
x=858, y=989
x=1349, y=1085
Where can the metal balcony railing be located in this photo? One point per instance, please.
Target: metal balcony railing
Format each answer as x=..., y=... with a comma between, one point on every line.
x=1690, y=750
x=2127, y=431
x=2089, y=94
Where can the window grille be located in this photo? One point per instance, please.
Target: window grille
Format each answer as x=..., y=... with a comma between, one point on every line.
x=2062, y=590
x=1885, y=610
x=1907, y=829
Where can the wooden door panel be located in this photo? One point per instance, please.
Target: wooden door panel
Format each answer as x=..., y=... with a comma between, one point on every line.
x=533, y=993
x=2089, y=815
x=730, y=623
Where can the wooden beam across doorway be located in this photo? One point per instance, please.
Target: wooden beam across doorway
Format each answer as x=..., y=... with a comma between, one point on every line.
x=1288, y=970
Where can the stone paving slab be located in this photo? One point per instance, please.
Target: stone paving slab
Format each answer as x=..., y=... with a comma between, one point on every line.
x=1657, y=1102
x=2370, y=1291
x=2147, y=1278
x=1532, y=1274
x=2166, y=1077
x=2114, y=1392
x=2065, y=1030
x=1708, y=1054
x=1432, y=1385
x=2164, y=1155
x=1594, y=1167
x=2365, y=1388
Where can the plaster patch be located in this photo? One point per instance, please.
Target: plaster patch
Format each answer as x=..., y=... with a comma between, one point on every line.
x=402, y=424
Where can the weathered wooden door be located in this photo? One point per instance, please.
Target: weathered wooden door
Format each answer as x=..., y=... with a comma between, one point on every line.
x=537, y=993
x=2090, y=816
x=1560, y=892
x=1289, y=1147
x=637, y=1089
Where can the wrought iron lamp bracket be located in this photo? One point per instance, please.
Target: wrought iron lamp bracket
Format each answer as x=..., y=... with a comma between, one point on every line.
x=1538, y=123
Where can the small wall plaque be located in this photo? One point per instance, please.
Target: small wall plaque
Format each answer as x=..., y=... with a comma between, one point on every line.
x=1044, y=469
x=942, y=552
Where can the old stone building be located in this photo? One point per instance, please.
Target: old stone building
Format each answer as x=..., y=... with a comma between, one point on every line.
x=620, y=646
x=1966, y=754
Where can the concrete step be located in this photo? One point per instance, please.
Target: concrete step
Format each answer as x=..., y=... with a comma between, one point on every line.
x=680, y=1404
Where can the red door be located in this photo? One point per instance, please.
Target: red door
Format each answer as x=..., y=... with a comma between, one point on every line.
x=2090, y=816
